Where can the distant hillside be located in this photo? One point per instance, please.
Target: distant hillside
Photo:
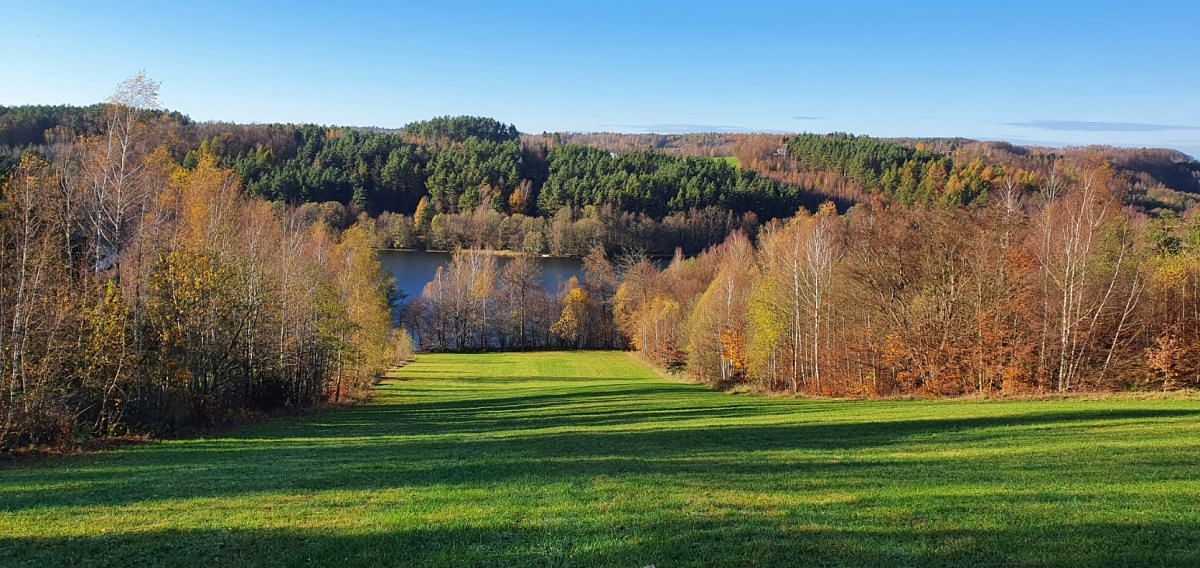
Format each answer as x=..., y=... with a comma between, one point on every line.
x=462, y=162
x=457, y=164
x=1158, y=178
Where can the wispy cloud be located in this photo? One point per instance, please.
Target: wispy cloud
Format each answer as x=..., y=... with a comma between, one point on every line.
x=1089, y=126
x=808, y=118
x=684, y=128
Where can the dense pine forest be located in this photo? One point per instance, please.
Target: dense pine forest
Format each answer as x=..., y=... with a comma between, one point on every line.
x=160, y=274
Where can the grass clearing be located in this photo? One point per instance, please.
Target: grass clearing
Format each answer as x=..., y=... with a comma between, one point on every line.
x=588, y=458
x=731, y=160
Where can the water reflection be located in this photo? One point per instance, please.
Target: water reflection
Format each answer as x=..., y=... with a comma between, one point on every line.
x=414, y=269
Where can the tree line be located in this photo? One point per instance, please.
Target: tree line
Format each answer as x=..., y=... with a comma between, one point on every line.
x=569, y=232
x=1052, y=285
x=483, y=301
x=907, y=174
x=849, y=169
x=142, y=294
x=451, y=167
x=657, y=184
x=458, y=165
x=1052, y=290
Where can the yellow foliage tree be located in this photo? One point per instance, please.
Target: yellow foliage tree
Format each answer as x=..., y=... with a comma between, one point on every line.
x=570, y=323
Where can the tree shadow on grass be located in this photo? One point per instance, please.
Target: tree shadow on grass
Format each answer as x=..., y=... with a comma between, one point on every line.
x=367, y=449
x=676, y=440
x=741, y=541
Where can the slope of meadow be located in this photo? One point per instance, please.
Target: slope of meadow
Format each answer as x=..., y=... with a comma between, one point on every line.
x=588, y=458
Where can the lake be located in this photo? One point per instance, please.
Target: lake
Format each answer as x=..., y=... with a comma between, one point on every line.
x=414, y=269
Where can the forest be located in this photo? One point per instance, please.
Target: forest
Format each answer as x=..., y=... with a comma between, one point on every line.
x=477, y=182
x=1057, y=291
x=161, y=274
x=139, y=294
x=849, y=169
x=1061, y=290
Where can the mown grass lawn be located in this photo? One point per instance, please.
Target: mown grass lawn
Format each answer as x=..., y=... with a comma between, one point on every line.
x=549, y=459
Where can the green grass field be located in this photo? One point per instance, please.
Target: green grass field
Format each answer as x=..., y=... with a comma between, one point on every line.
x=731, y=160
x=581, y=458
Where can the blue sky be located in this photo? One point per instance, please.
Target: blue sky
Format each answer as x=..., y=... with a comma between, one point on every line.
x=1060, y=72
